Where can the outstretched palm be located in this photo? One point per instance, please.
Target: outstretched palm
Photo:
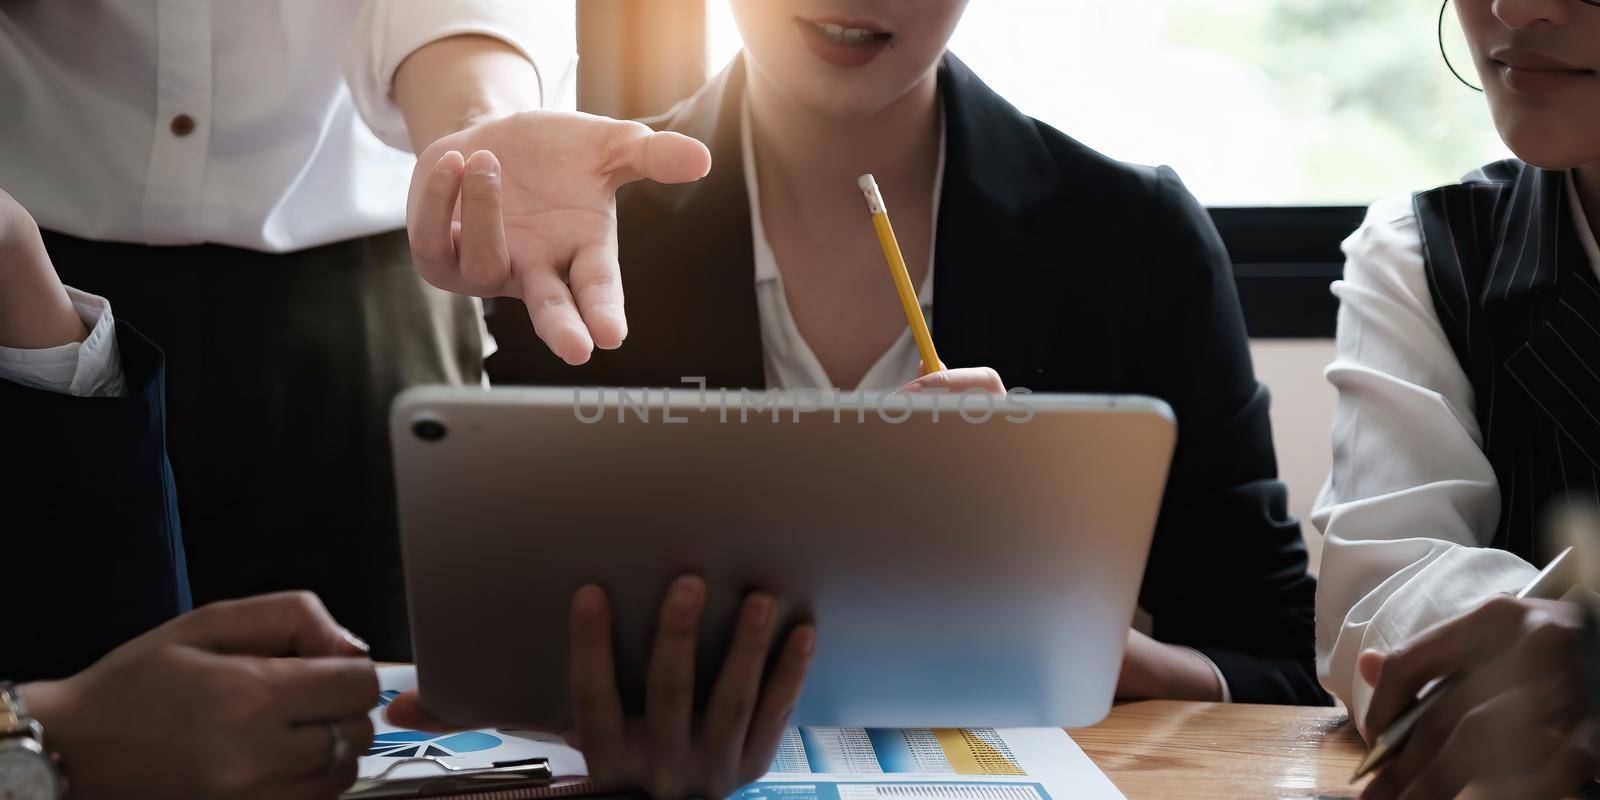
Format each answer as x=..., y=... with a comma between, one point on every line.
x=525, y=206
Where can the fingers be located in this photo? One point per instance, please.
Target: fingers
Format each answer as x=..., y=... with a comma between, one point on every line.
x=313, y=689
x=1472, y=751
x=555, y=318
x=405, y=711
x=430, y=220
x=485, y=259
x=597, y=709
x=1498, y=734
x=1452, y=646
x=282, y=624
x=308, y=750
x=958, y=380
x=662, y=156
x=733, y=699
x=597, y=286
x=669, y=684
x=480, y=261
x=778, y=698
x=1433, y=733
x=1513, y=689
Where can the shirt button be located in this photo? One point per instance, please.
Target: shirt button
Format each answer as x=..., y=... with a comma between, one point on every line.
x=182, y=125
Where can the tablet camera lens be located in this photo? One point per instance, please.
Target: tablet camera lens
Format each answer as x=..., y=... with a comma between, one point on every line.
x=428, y=430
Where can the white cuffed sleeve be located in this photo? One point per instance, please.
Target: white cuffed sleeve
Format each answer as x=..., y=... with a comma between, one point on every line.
x=1412, y=503
x=387, y=31
x=91, y=368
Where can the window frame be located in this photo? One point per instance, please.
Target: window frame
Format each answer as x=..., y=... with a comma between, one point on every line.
x=1284, y=259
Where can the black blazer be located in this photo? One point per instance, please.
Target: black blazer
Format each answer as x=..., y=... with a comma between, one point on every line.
x=1063, y=270
x=99, y=553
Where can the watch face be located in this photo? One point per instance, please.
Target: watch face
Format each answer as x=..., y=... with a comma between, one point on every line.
x=26, y=775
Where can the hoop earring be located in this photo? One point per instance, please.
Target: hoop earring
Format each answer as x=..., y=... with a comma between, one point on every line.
x=1446, y=54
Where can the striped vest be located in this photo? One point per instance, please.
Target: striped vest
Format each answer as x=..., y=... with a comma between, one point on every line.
x=1521, y=307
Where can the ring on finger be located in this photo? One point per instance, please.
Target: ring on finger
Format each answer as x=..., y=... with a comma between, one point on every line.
x=338, y=748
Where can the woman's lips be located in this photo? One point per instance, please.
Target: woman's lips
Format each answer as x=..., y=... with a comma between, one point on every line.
x=1534, y=80
x=843, y=45
x=1536, y=73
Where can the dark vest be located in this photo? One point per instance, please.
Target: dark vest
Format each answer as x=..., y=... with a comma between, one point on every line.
x=1520, y=304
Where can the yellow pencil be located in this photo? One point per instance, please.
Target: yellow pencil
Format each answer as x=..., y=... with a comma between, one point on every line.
x=897, y=271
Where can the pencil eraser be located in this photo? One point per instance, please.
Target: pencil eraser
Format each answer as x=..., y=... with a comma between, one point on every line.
x=869, y=188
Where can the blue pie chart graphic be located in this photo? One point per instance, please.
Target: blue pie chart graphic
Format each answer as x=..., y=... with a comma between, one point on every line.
x=419, y=744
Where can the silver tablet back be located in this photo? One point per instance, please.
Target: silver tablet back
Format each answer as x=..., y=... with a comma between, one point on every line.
x=963, y=568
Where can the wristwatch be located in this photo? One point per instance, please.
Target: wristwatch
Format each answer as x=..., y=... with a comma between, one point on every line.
x=27, y=772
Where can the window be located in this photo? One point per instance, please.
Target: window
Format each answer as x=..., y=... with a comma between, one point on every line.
x=1254, y=102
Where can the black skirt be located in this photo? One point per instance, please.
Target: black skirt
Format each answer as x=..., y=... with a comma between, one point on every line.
x=280, y=372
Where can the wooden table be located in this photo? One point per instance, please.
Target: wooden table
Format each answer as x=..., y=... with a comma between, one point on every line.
x=1161, y=749
x=1166, y=749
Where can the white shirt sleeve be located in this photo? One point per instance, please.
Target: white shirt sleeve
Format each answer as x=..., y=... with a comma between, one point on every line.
x=387, y=31
x=1412, y=503
x=91, y=368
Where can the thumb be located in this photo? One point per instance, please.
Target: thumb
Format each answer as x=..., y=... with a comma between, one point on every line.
x=1370, y=664
x=272, y=625
x=958, y=380
x=661, y=156
x=405, y=711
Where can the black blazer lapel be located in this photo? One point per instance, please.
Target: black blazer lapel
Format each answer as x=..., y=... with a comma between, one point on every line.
x=998, y=172
x=718, y=336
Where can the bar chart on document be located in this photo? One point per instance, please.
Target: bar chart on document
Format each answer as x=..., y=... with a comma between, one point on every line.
x=928, y=764
x=861, y=751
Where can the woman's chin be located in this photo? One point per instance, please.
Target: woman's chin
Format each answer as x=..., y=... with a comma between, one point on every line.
x=1554, y=138
x=831, y=98
x=833, y=93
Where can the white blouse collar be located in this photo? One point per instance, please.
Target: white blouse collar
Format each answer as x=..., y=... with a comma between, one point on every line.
x=1586, y=232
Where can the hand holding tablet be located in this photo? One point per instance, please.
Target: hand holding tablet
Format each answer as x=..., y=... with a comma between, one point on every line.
x=675, y=750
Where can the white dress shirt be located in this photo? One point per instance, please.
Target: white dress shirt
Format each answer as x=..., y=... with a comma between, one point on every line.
x=1413, y=502
x=232, y=121
x=790, y=362
x=91, y=368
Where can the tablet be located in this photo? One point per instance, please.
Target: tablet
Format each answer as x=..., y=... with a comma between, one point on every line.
x=968, y=560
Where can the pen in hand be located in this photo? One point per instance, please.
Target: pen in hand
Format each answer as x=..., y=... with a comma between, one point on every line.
x=1550, y=584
